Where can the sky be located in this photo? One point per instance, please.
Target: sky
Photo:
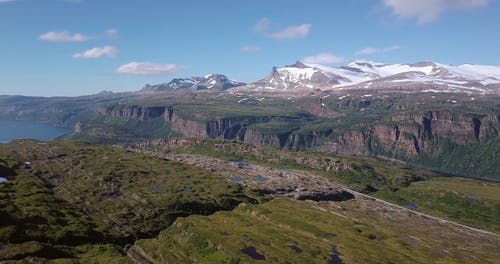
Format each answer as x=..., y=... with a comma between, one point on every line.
x=78, y=47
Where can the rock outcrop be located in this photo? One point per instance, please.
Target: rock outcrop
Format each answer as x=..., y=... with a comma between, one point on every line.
x=410, y=134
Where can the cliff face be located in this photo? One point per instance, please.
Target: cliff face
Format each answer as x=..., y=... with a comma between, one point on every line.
x=255, y=137
x=133, y=112
x=401, y=135
x=410, y=135
x=188, y=127
x=228, y=128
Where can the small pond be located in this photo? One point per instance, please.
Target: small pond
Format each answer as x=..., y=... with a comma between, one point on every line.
x=260, y=178
x=252, y=252
x=237, y=179
x=117, y=197
x=239, y=161
x=410, y=206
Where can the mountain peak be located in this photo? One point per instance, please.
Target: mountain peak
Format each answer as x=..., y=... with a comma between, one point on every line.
x=297, y=64
x=208, y=82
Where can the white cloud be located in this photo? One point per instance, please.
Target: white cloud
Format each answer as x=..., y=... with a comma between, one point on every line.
x=250, y=49
x=63, y=36
x=148, y=68
x=112, y=33
x=367, y=51
x=262, y=25
x=292, y=32
x=323, y=58
x=99, y=52
x=371, y=50
x=426, y=11
x=391, y=48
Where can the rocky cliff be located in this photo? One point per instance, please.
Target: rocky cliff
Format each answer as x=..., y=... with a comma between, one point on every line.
x=408, y=135
x=416, y=135
x=403, y=135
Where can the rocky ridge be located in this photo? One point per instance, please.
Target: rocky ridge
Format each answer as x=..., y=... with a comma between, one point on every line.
x=208, y=82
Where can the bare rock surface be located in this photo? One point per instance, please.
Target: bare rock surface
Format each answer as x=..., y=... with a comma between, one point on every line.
x=269, y=181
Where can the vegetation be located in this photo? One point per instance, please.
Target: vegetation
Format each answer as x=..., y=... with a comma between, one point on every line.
x=82, y=195
x=363, y=174
x=391, y=181
x=472, y=202
x=285, y=231
x=111, y=130
x=480, y=160
x=82, y=203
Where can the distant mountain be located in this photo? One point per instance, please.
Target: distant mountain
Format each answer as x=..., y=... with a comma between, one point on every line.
x=300, y=75
x=207, y=82
x=367, y=74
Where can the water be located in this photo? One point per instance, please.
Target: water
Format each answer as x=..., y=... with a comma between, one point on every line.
x=296, y=249
x=252, y=252
x=240, y=161
x=10, y=130
x=410, y=206
x=260, y=178
x=237, y=179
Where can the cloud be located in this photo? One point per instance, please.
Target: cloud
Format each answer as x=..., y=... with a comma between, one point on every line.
x=366, y=51
x=99, y=52
x=370, y=50
x=250, y=49
x=324, y=58
x=6, y=1
x=292, y=32
x=148, y=68
x=391, y=48
x=112, y=33
x=63, y=36
x=426, y=11
x=262, y=25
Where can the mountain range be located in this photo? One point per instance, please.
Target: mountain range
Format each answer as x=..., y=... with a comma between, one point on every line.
x=302, y=77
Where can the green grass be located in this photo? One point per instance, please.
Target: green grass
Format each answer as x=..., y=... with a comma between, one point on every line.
x=136, y=194
x=391, y=181
x=299, y=232
x=78, y=195
x=472, y=202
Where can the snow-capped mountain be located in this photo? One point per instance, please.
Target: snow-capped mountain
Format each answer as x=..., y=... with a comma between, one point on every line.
x=300, y=75
x=367, y=74
x=207, y=82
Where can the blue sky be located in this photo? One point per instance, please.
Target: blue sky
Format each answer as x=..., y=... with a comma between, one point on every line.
x=75, y=47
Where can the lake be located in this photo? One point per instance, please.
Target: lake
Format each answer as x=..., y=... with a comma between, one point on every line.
x=10, y=130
